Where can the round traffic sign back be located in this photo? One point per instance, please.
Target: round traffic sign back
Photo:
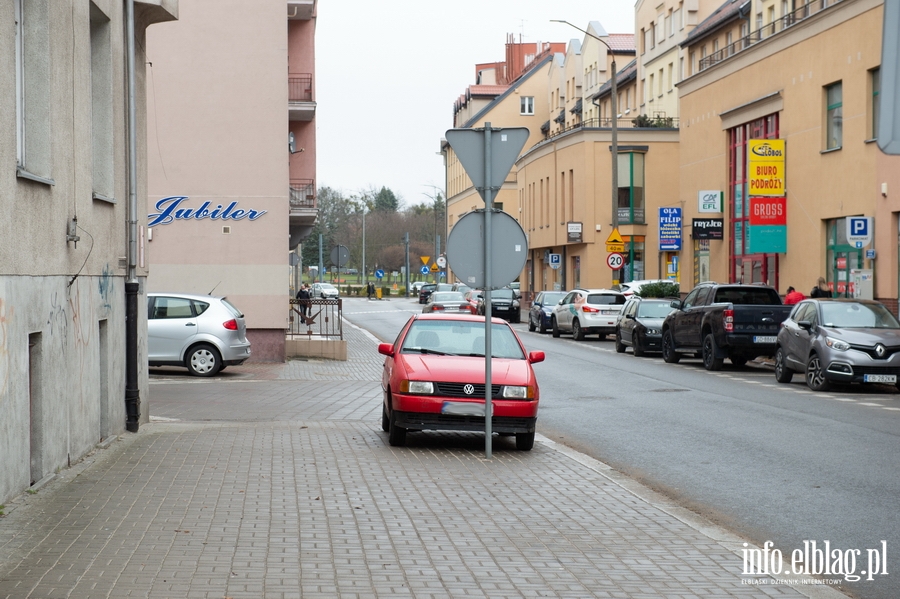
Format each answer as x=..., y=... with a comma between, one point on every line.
x=615, y=261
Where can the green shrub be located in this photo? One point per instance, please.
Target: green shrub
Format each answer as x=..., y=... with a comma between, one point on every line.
x=660, y=290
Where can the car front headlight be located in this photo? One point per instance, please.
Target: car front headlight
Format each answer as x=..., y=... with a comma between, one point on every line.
x=837, y=344
x=515, y=304
x=417, y=387
x=653, y=331
x=511, y=392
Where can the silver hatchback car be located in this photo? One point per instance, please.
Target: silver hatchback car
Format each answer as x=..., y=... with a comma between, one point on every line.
x=200, y=332
x=839, y=341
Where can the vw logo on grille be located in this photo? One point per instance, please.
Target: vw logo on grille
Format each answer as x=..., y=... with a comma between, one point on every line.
x=469, y=389
x=880, y=350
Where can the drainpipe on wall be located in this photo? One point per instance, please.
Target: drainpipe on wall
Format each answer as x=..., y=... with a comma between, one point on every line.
x=132, y=287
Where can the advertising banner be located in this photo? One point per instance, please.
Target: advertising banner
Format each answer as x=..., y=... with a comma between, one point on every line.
x=767, y=230
x=708, y=228
x=669, y=229
x=765, y=167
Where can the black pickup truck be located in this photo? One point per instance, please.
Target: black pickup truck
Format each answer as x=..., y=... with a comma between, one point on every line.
x=738, y=322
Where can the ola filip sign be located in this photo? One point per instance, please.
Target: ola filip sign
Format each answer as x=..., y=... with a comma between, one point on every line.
x=767, y=226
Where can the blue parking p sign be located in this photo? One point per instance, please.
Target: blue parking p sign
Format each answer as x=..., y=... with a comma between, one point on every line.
x=859, y=230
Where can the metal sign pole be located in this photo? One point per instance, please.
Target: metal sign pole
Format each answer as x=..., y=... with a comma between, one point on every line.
x=488, y=208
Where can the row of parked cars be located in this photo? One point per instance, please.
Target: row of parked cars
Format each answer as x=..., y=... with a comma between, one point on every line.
x=460, y=298
x=827, y=340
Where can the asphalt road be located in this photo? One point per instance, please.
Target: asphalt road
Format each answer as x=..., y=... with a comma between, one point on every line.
x=771, y=462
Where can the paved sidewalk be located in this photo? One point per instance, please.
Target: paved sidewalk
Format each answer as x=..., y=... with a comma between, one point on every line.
x=276, y=481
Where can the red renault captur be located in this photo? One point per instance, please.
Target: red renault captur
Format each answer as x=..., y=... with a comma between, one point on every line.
x=433, y=379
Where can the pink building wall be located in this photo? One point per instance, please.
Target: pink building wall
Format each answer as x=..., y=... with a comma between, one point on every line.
x=217, y=132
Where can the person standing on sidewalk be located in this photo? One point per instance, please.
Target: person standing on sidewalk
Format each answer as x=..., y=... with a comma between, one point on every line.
x=370, y=289
x=793, y=296
x=303, y=296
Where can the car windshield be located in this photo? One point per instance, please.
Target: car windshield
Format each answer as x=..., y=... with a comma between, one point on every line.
x=326, y=285
x=552, y=298
x=461, y=338
x=606, y=298
x=447, y=296
x=653, y=309
x=849, y=315
x=502, y=294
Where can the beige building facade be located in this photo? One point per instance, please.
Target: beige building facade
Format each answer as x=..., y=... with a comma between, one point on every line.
x=807, y=80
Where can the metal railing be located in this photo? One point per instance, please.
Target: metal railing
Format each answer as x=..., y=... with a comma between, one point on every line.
x=300, y=88
x=322, y=318
x=785, y=22
x=638, y=122
x=303, y=193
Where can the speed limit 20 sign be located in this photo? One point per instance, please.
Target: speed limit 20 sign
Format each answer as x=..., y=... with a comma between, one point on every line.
x=615, y=261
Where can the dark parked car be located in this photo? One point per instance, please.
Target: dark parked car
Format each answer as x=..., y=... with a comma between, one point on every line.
x=542, y=308
x=640, y=325
x=504, y=304
x=839, y=341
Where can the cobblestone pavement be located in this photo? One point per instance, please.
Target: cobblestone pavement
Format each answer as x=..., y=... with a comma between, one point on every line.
x=276, y=481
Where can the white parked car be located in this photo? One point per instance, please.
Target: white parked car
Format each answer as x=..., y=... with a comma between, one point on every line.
x=587, y=311
x=200, y=332
x=323, y=290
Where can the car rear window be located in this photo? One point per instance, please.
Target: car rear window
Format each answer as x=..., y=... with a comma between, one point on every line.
x=606, y=299
x=461, y=338
x=739, y=296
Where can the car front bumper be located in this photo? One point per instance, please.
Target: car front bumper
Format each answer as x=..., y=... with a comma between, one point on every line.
x=450, y=422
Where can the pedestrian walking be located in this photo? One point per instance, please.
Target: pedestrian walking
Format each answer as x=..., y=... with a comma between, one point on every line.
x=303, y=295
x=821, y=289
x=370, y=289
x=793, y=297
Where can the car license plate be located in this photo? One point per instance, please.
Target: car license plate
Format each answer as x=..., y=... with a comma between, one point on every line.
x=880, y=378
x=764, y=339
x=463, y=408
x=608, y=312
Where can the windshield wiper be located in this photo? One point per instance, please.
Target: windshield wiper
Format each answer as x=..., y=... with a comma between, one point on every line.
x=425, y=350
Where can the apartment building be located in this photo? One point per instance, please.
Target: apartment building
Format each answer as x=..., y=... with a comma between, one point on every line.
x=65, y=254
x=802, y=81
x=232, y=155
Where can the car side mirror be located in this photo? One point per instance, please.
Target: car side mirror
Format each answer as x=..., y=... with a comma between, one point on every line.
x=630, y=316
x=560, y=302
x=535, y=357
x=386, y=349
x=804, y=324
x=676, y=304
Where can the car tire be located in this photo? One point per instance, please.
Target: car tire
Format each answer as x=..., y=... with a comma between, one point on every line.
x=542, y=327
x=385, y=419
x=636, y=345
x=531, y=327
x=397, y=434
x=815, y=374
x=554, y=326
x=203, y=360
x=710, y=361
x=525, y=441
x=620, y=347
x=783, y=374
x=670, y=356
x=577, y=331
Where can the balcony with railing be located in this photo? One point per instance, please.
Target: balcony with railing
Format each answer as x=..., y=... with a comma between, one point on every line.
x=303, y=195
x=658, y=122
x=773, y=28
x=301, y=106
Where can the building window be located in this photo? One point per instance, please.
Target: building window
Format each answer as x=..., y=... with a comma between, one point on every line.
x=101, y=105
x=743, y=266
x=652, y=35
x=631, y=188
x=677, y=18
x=32, y=67
x=876, y=92
x=634, y=258
x=526, y=104
x=650, y=91
x=841, y=256
x=834, y=135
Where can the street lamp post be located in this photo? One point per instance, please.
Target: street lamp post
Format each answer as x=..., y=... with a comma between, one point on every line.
x=615, y=131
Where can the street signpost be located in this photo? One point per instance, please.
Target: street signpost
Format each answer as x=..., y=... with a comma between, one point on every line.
x=555, y=261
x=487, y=154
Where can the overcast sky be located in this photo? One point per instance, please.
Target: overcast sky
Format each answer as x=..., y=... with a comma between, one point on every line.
x=387, y=74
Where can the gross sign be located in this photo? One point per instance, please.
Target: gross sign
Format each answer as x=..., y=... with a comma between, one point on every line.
x=615, y=261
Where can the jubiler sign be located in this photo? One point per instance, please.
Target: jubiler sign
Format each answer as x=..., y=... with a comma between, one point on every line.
x=765, y=167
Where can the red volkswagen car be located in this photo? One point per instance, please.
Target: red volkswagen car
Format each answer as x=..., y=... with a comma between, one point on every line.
x=433, y=379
